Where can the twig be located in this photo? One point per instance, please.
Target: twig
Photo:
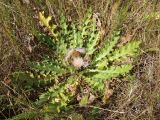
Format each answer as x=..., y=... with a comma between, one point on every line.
x=105, y=109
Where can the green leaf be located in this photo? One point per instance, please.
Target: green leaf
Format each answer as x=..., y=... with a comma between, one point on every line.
x=129, y=49
x=25, y=115
x=84, y=101
x=108, y=47
x=45, y=21
x=97, y=80
x=111, y=72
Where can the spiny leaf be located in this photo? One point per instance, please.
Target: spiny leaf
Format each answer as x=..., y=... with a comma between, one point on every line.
x=102, y=64
x=111, y=72
x=94, y=37
x=43, y=38
x=108, y=47
x=129, y=49
x=45, y=21
x=63, y=25
x=60, y=95
x=47, y=66
x=96, y=84
x=97, y=81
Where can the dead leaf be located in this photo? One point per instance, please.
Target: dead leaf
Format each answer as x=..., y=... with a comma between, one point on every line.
x=91, y=98
x=102, y=33
x=128, y=37
x=72, y=89
x=107, y=95
x=8, y=93
x=7, y=81
x=125, y=39
x=108, y=92
x=98, y=22
x=26, y=2
x=79, y=97
x=29, y=48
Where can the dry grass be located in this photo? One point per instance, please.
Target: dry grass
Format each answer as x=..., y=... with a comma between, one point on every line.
x=138, y=99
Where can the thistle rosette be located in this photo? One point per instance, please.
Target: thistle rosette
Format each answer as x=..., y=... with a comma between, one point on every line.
x=80, y=69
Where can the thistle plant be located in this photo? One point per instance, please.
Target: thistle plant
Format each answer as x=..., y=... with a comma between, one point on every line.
x=80, y=68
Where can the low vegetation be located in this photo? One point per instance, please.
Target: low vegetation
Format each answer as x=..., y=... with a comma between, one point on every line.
x=79, y=60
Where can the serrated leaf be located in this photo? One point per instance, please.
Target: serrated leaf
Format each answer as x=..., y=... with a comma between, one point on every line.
x=111, y=72
x=129, y=49
x=45, y=21
x=107, y=48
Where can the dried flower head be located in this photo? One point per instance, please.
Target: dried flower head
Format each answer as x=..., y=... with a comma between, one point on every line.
x=78, y=62
x=74, y=57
